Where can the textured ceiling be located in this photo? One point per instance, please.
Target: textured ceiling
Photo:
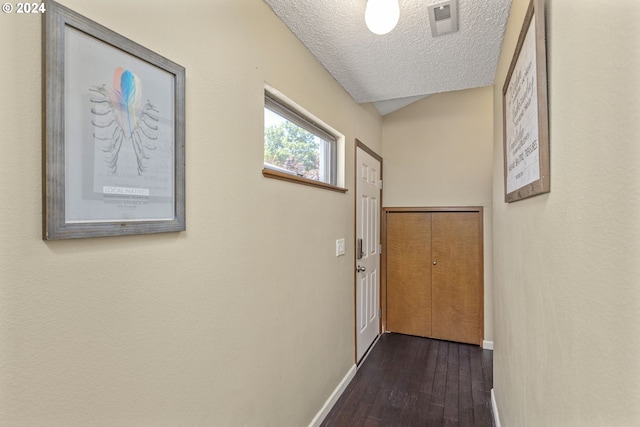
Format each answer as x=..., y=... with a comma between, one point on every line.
x=401, y=67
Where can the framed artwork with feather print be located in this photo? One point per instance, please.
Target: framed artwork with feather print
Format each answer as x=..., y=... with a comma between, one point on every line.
x=114, y=133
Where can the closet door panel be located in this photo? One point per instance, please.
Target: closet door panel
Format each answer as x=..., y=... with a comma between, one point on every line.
x=457, y=289
x=409, y=273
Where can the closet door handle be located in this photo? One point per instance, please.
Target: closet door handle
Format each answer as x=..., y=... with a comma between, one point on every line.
x=434, y=262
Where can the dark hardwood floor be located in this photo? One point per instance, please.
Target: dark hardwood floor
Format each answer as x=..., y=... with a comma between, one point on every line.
x=411, y=381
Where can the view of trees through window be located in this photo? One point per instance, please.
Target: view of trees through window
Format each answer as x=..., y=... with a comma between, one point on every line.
x=288, y=146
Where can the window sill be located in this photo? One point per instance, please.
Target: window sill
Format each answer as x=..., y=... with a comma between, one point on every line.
x=268, y=173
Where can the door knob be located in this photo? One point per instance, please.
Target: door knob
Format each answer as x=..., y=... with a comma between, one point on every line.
x=361, y=268
x=434, y=263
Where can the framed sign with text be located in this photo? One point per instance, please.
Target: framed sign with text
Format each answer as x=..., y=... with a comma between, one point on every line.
x=114, y=133
x=525, y=108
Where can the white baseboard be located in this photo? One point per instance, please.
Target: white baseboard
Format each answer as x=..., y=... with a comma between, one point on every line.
x=494, y=408
x=326, y=408
x=487, y=345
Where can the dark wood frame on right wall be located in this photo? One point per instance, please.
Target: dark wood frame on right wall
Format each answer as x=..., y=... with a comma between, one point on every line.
x=526, y=112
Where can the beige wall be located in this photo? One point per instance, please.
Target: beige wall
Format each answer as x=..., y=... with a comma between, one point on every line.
x=438, y=152
x=566, y=270
x=247, y=317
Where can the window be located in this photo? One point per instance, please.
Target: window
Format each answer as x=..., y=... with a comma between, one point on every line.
x=296, y=147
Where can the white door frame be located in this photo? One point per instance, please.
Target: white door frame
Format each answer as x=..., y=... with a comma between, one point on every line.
x=361, y=351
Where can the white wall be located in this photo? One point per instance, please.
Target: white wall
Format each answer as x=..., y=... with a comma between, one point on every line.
x=438, y=152
x=566, y=271
x=247, y=317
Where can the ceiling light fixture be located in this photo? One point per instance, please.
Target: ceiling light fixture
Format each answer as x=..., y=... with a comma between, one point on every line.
x=381, y=16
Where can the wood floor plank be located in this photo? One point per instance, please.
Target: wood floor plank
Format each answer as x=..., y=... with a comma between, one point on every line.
x=454, y=350
x=430, y=370
x=451, y=393
x=481, y=413
x=360, y=414
x=369, y=379
x=487, y=369
x=440, y=379
x=422, y=356
x=411, y=381
x=347, y=412
x=371, y=422
x=397, y=400
x=465, y=398
x=421, y=416
x=389, y=374
x=436, y=415
x=407, y=357
x=448, y=422
x=475, y=357
x=410, y=406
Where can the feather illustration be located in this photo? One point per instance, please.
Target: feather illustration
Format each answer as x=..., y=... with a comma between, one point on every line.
x=129, y=94
x=118, y=115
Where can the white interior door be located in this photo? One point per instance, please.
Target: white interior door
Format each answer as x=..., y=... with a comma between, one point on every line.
x=368, y=252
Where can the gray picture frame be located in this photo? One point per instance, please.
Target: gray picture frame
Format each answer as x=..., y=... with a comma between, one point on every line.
x=526, y=146
x=113, y=202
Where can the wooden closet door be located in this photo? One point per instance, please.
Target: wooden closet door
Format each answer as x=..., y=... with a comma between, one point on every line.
x=409, y=273
x=457, y=276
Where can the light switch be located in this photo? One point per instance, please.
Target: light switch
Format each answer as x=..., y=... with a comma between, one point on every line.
x=340, y=247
